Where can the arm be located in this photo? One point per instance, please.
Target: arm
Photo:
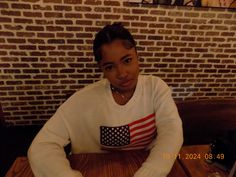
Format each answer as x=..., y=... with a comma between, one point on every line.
x=46, y=154
x=169, y=138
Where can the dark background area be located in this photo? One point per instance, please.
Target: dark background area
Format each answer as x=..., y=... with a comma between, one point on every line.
x=15, y=142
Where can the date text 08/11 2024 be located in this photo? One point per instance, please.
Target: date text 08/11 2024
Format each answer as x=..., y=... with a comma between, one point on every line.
x=194, y=156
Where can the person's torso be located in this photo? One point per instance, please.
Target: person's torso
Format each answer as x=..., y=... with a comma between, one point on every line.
x=101, y=124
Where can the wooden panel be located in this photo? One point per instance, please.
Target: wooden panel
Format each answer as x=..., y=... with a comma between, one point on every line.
x=100, y=165
x=204, y=120
x=197, y=167
x=20, y=168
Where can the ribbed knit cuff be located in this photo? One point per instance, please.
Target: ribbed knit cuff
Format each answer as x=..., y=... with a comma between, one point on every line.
x=77, y=173
x=73, y=173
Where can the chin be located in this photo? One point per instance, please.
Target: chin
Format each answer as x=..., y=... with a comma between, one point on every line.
x=128, y=88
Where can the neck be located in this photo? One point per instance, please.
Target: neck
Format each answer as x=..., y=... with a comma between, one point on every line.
x=126, y=95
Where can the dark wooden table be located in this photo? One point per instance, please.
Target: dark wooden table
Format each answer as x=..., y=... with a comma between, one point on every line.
x=115, y=164
x=193, y=160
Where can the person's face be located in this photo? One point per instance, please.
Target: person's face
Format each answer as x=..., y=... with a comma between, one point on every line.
x=120, y=65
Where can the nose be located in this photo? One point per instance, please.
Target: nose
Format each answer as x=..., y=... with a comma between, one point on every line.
x=121, y=72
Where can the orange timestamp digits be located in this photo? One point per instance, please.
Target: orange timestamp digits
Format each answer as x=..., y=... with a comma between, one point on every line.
x=210, y=156
x=193, y=156
x=168, y=156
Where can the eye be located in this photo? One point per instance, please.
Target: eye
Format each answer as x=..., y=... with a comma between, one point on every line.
x=108, y=68
x=127, y=60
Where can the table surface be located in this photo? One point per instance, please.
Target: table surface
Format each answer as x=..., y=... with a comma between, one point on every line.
x=125, y=163
x=118, y=164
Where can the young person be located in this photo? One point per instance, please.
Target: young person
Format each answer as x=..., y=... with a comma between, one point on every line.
x=123, y=111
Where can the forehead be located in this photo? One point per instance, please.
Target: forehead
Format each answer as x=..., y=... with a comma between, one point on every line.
x=116, y=49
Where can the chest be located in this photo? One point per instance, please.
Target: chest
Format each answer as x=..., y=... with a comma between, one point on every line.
x=121, y=99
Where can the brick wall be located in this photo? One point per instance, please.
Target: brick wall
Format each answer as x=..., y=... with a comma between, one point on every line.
x=45, y=51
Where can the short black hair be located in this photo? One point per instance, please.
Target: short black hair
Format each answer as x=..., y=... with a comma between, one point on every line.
x=108, y=34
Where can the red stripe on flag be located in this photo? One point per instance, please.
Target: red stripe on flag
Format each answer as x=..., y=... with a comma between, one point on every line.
x=142, y=143
x=143, y=132
x=142, y=126
x=151, y=136
x=149, y=139
x=142, y=119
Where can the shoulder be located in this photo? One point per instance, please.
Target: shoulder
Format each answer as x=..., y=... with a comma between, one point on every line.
x=153, y=81
x=94, y=88
x=88, y=94
x=155, y=87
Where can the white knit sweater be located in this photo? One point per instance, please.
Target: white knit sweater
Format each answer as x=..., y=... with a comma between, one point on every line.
x=93, y=122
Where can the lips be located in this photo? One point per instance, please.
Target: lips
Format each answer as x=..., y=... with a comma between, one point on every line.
x=126, y=83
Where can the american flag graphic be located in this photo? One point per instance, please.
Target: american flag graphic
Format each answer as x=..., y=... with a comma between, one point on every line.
x=136, y=135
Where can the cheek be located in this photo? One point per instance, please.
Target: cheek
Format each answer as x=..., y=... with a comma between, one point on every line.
x=136, y=67
x=109, y=75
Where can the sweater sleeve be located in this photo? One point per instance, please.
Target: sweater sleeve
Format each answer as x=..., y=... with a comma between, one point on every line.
x=46, y=154
x=169, y=135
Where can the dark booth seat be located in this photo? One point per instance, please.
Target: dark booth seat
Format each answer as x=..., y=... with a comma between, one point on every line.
x=204, y=120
